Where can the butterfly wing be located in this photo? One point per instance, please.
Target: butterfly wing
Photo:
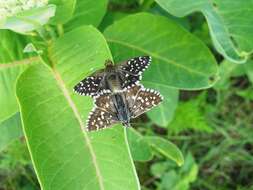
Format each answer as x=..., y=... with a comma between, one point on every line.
x=145, y=99
x=100, y=119
x=105, y=102
x=104, y=113
x=91, y=85
x=132, y=69
x=131, y=94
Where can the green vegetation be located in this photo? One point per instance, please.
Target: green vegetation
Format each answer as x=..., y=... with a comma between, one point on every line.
x=199, y=138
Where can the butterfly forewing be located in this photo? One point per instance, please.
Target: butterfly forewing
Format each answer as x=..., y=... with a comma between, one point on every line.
x=91, y=85
x=132, y=69
x=144, y=101
x=128, y=73
x=135, y=66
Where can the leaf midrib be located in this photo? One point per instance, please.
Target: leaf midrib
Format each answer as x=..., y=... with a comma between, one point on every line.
x=155, y=56
x=26, y=61
x=78, y=117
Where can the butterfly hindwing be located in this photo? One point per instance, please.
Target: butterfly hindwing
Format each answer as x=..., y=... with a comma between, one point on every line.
x=144, y=101
x=131, y=94
x=100, y=119
x=105, y=102
x=109, y=110
x=104, y=113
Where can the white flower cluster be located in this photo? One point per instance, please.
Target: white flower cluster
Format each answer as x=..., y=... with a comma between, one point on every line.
x=12, y=7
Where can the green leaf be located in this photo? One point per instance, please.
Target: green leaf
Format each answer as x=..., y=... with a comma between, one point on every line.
x=10, y=130
x=29, y=20
x=226, y=70
x=248, y=67
x=159, y=168
x=64, y=10
x=171, y=180
x=247, y=93
x=190, y=115
x=166, y=148
x=184, y=22
x=173, y=50
x=65, y=156
x=11, y=46
x=189, y=169
x=140, y=149
x=163, y=114
x=181, y=180
x=87, y=12
x=110, y=17
x=12, y=63
x=8, y=78
x=230, y=23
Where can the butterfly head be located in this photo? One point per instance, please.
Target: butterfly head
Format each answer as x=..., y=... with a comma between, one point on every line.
x=108, y=64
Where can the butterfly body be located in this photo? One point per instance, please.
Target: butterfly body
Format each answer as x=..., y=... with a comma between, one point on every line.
x=121, y=107
x=114, y=78
x=112, y=81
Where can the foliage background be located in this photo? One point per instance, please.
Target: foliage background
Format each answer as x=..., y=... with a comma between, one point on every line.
x=199, y=138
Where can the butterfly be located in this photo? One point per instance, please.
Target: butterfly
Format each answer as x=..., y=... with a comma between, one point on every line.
x=121, y=107
x=113, y=78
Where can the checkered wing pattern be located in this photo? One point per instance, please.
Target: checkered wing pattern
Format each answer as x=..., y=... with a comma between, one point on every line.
x=104, y=113
x=144, y=100
x=105, y=102
x=131, y=70
x=100, y=119
x=131, y=94
x=91, y=85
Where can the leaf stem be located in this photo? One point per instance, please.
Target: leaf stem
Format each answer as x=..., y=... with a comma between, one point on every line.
x=131, y=159
x=60, y=29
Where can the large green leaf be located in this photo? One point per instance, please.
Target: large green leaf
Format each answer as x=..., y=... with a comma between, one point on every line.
x=87, y=12
x=12, y=64
x=140, y=149
x=230, y=23
x=11, y=46
x=64, y=155
x=10, y=130
x=8, y=78
x=180, y=60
